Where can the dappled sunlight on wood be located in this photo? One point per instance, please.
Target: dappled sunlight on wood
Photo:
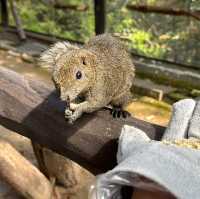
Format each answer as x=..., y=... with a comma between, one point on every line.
x=149, y=111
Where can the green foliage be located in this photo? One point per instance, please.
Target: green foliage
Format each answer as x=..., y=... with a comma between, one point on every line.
x=45, y=19
x=38, y=19
x=140, y=40
x=146, y=44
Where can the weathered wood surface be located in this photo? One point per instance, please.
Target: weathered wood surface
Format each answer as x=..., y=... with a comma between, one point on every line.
x=22, y=175
x=34, y=110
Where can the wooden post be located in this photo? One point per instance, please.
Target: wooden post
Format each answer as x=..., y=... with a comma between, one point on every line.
x=17, y=19
x=100, y=16
x=4, y=13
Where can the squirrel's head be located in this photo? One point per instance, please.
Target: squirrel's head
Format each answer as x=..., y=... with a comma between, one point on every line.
x=75, y=73
x=73, y=70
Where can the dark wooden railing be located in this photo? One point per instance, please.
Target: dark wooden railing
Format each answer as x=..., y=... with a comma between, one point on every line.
x=32, y=108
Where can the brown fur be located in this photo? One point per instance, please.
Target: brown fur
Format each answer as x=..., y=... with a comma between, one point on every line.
x=107, y=73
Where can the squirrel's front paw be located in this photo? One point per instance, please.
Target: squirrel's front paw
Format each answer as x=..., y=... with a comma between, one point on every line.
x=71, y=116
x=68, y=113
x=72, y=119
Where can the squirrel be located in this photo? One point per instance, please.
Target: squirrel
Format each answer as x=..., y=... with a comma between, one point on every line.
x=101, y=71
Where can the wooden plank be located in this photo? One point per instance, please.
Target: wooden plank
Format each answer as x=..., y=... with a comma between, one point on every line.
x=34, y=110
x=173, y=75
x=100, y=16
x=81, y=8
x=4, y=13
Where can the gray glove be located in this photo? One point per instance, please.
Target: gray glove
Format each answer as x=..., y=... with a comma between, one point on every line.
x=153, y=165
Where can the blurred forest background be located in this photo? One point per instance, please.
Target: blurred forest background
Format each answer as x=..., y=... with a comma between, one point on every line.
x=173, y=38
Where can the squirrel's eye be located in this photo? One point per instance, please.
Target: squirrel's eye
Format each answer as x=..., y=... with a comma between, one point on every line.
x=78, y=75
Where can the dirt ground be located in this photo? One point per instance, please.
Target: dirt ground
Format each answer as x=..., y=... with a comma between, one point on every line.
x=143, y=108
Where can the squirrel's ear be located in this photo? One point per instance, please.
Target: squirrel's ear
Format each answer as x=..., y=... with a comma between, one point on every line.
x=89, y=58
x=49, y=57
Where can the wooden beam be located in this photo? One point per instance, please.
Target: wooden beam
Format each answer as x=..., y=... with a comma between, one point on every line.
x=4, y=13
x=166, y=11
x=100, y=16
x=22, y=175
x=34, y=110
x=74, y=7
x=40, y=37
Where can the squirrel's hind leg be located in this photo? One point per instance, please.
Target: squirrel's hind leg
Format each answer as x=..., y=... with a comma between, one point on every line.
x=118, y=104
x=117, y=112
